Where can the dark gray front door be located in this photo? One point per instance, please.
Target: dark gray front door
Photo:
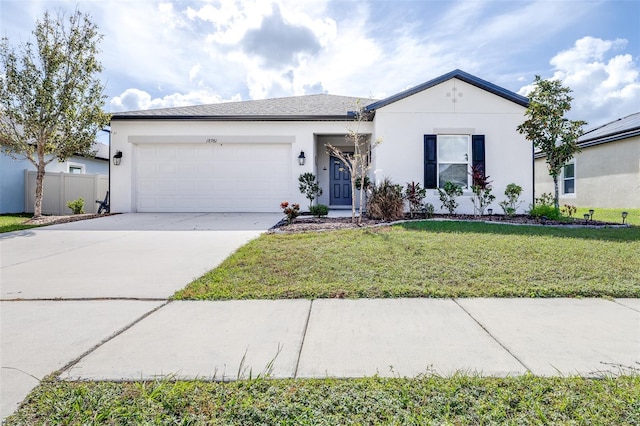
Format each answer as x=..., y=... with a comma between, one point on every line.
x=339, y=183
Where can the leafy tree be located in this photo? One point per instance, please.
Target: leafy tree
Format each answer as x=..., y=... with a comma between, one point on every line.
x=309, y=186
x=358, y=162
x=50, y=96
x=548, y=129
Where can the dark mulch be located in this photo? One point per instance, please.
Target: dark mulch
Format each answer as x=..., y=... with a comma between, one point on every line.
x=54, y=220
x=309, y=223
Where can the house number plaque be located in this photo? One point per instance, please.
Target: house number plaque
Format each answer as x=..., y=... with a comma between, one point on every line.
x=211, y=140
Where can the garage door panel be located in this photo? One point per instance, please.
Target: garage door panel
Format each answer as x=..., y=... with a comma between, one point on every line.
x=231, y=178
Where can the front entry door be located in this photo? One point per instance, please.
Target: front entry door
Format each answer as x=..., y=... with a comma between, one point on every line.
x=339, y=183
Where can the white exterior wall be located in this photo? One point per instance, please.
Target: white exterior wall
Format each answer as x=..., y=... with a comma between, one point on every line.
x=606, y=176
x=126, y=135
x=402, y=125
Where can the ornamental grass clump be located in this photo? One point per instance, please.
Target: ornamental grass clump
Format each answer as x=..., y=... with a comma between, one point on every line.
x=386, y=201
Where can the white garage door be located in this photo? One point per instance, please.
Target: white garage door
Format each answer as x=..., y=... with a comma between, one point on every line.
x=212, y=177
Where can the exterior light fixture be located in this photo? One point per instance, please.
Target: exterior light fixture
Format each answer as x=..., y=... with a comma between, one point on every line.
x=586, y=216
x=301, y=158
x=624, y=216
x=490, y=211
x=591, y=214
x=117, y=158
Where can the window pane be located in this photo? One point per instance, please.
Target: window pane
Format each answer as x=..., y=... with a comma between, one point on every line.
x=456, y=173
x=569, y=187
x=569, y=170
x=453, y=149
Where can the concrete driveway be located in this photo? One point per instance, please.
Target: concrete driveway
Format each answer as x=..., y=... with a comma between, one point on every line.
x=67, y=288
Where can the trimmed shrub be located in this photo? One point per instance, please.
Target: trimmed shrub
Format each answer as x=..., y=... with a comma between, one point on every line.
x=76, y=206
x=319, y=210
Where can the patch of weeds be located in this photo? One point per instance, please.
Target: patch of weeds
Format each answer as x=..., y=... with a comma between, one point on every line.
x=428, y=399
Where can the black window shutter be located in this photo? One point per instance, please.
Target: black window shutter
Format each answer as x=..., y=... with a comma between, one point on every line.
x=430, y=161
x=477, y=152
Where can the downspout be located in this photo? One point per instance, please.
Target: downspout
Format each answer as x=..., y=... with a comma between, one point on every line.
x=109, y=160
x=533, y=174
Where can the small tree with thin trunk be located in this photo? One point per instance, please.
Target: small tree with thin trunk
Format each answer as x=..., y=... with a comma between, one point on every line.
x=358, y=162
x=50, y=96
x=548, y=129
x=309, y=186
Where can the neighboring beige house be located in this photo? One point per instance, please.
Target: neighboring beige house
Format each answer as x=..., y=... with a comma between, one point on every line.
x=605, y=174
x=247, y=156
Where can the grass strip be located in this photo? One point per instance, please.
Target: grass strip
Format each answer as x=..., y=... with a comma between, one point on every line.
x=430, y=259
x=15, y=222
x=426, y=400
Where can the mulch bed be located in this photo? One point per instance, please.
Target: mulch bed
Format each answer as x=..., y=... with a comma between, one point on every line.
x=309, y=223
x=54, y=220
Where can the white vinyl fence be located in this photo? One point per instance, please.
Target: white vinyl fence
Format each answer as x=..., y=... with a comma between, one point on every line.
x=60, y=188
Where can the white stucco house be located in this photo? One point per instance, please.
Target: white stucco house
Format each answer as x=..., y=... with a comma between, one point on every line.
x=606, y=171
x=244, y=156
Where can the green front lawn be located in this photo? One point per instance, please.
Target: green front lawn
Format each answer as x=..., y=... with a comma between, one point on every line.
x=468, y=400
x=15, y=222
x=611, y=215
x=430, y=259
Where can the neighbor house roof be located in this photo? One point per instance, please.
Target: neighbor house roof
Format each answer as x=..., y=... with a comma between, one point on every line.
x=294, y=108
x=622, y=128
x=460, y=75
x=101, y=150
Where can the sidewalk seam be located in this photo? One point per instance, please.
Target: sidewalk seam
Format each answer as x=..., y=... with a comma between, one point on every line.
x=625, y=306
x=304, y=336
x=73, y=362
x=492, y=336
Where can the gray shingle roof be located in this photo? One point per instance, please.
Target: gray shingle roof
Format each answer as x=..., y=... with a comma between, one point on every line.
x=621, y=128
x=309, y=107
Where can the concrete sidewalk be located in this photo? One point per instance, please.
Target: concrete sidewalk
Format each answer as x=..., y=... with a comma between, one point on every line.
x=363, y=337
x=223, y=340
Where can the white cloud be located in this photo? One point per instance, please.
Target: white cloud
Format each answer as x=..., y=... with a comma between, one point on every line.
x=195, y=70
x=136, y=99
x=605, y=86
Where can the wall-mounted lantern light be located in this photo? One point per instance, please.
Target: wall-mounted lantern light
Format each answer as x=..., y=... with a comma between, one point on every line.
x=624, y=216
x=301, y=158
x=117, y=158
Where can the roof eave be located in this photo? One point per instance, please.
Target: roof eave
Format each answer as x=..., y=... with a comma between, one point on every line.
x=345, y=117
x=602, y=140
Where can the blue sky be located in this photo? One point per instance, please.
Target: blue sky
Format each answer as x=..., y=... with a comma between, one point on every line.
x=175, y=53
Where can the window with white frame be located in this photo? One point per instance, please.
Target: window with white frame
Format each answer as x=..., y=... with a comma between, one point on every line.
x=75, y=168
x=450, y=157
x=453, y=160
x=569, y=178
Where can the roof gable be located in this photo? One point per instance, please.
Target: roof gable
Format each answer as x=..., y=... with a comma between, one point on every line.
x=460, y=75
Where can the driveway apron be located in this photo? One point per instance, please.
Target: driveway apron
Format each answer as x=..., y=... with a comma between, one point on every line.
x=66, y=289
